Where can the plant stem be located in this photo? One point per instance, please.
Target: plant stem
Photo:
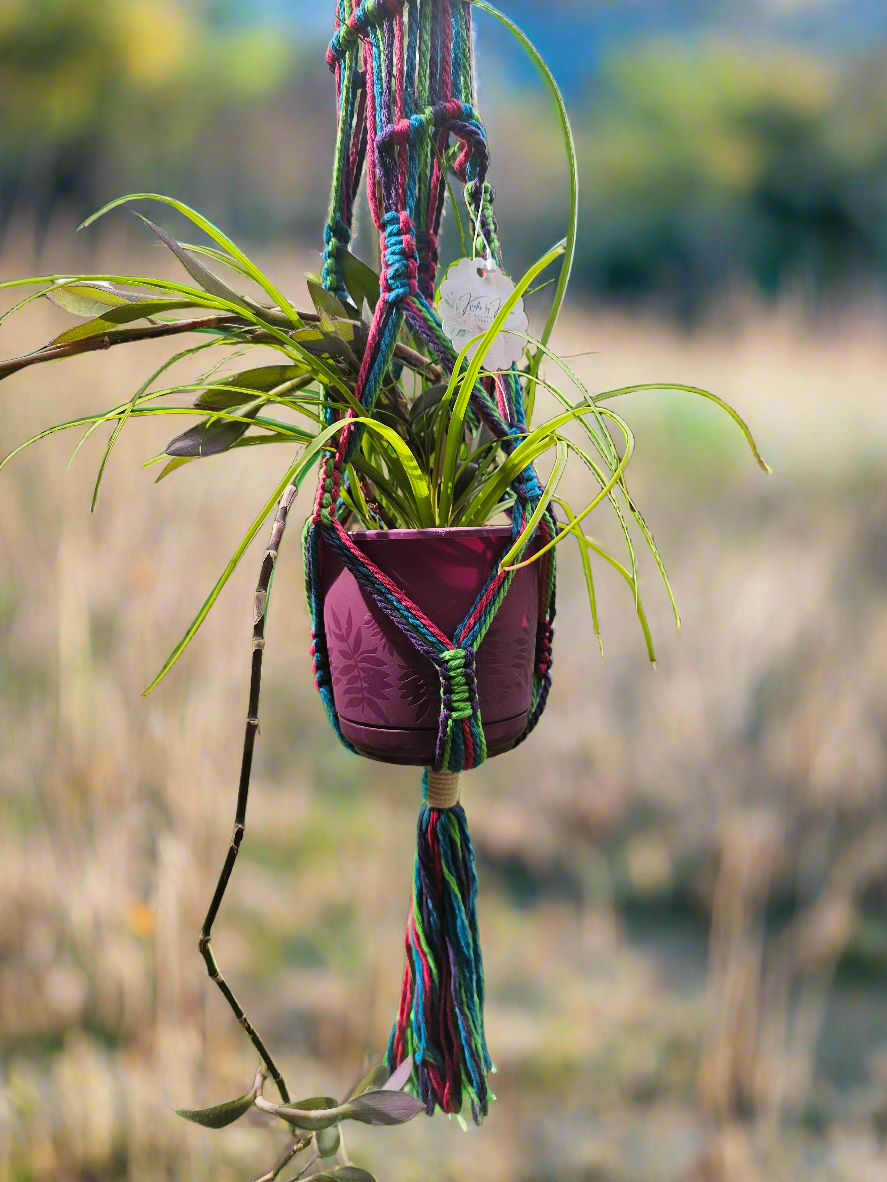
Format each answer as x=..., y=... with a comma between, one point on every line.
x=304, y=1170
x=410, y=357
x=252, y=726
x=294, y=1150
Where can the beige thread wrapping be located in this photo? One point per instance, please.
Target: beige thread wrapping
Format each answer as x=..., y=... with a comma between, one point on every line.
x=443, y=790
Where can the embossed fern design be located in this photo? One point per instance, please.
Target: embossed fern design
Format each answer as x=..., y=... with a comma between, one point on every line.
x=512, y=661
x=365, y=674
x=420, y=689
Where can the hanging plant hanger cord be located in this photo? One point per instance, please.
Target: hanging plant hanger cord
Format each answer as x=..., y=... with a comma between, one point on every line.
x=405, y=86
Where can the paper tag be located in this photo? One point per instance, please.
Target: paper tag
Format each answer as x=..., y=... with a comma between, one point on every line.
x=469, y=300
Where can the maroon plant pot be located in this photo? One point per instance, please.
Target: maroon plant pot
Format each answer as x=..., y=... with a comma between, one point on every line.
x=387, y=694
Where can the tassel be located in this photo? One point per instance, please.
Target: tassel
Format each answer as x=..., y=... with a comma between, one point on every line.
x=441, y=1018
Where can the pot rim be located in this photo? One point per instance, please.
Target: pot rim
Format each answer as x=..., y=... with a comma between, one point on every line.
x=443, y=531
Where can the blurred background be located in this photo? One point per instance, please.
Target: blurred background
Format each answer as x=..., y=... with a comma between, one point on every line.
x=684, y=874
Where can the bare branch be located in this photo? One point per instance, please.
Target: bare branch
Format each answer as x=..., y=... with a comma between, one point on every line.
x=252, y=726
x=128, y=336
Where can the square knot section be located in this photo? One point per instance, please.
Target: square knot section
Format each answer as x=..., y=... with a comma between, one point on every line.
x=400, y=256
x=460, y=741
x=458, y=687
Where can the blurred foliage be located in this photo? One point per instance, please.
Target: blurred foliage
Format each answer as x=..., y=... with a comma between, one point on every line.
x=152, y=93
x=707, y=162
x=709, y=165
x=714, y=162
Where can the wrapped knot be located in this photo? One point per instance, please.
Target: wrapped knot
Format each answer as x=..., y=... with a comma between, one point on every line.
x=401, y=269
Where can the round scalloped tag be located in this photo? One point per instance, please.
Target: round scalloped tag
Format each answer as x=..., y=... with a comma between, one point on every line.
x=469, y=300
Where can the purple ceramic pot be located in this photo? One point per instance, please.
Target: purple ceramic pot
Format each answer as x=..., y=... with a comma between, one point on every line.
x=387, y=694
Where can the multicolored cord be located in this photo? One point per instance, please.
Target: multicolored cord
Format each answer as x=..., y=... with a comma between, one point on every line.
x=404, y=73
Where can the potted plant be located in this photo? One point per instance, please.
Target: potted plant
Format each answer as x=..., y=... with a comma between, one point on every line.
x=430, y=551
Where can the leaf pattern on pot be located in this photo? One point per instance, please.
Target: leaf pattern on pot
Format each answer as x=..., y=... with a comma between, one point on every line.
x=416, y=687
x=420, y=689
x=363, y=680
x=508, y=656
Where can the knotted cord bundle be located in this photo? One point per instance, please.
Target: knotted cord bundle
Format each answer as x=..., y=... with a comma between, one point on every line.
x=404, y=73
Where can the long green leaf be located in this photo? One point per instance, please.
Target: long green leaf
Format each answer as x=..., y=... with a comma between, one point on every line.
x=611, y=483
x=550, y=488
x=533, y=445
x=407, y=464
x=572, y=163
x=586, y=571
x=124, y=314
x=296, y=472
x=212, y=232
x=725, y=406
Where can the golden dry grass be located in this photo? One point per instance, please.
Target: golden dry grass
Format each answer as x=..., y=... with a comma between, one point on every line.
x=683, y=874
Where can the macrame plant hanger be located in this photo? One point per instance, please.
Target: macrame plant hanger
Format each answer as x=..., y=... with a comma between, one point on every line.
x=404, y=72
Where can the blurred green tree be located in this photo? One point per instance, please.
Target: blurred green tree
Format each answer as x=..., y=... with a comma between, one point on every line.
x=98, y=97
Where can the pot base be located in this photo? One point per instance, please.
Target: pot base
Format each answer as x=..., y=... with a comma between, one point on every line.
x=415, y=747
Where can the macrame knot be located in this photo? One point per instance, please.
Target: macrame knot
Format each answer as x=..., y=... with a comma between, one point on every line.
x=336, y=236
x=458, y=685
x=460, y=740
x=480, y=197
x=328, y=492
x=399, y=275
x=321, y=666
x=544, y=638
x=371, y=12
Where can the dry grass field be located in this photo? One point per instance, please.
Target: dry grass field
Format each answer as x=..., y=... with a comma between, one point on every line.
x=683, y=875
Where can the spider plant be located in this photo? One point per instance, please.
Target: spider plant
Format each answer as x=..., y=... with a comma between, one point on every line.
x=425, y=460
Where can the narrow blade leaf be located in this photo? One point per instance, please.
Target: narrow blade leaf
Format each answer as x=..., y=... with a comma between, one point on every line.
x=124, y=314
x=88, y=299
x=202, y=275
